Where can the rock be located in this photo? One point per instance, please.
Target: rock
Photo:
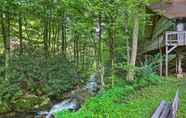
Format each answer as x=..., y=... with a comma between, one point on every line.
x=4, y=108
x=31, y=102
x=41, y=114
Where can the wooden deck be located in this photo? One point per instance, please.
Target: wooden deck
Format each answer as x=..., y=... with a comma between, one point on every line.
x=171, y=39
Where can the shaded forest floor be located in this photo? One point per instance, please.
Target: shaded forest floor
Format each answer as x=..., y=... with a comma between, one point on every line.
x=139, y=104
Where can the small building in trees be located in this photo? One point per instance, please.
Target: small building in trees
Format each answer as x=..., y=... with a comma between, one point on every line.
x=168, y=37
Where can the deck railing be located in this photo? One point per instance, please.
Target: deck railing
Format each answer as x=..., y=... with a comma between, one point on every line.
x=175, y=38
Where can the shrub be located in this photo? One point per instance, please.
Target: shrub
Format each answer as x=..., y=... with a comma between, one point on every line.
x=36, y=76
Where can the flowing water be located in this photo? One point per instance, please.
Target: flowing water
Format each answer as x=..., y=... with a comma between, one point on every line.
x=75, y=102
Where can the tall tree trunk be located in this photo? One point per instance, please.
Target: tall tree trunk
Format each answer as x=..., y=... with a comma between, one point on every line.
x=49, y=33
x=112, y=47
x=45, y=37
x=54, y=38
x=126, y=30
x=83, y=56
x=8, y=35
x=99, y=40
x=63, y=35
x=95, y=51
x=58, y=39
x=74, y=51
x=131, y=72
x=49, y=30
x=6, y=40
x=77, y=52
x=20, y=35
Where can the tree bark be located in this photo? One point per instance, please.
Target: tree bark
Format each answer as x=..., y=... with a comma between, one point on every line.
x=6, y=40
x=45, y=37
x=99, y=40
x=20, y=35
x=127, y=39
x=54, y=38
x=76, y=49
x=63, y=34
x=112, y=34
x=131, y=72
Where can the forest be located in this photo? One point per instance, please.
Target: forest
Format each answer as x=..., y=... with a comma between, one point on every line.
x=81, y=59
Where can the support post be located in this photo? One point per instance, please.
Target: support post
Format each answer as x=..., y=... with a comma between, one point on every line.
x=161, y=63
x=166, y=61
x=167, y=54
x=179, y=63
x=179, y=58
x=176, y=62
x=161, y=57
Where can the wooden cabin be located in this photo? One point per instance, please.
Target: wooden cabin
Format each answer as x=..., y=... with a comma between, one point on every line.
x=173, y=40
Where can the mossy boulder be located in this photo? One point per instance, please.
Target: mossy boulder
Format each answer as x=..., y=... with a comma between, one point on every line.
x=31, y=102
x=4, y=108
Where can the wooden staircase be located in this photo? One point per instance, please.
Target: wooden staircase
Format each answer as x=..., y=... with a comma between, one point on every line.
x=172, y=63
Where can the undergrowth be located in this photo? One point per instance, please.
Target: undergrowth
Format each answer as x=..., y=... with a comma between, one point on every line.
x=112, y=102
x=36, y=76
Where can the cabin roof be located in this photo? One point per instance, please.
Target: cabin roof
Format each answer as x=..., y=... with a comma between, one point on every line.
x=172, y=9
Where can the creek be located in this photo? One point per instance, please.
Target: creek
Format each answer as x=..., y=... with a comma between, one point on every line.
x=73, y=103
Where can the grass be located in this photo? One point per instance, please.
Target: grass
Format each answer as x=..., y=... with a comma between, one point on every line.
x=124, y=102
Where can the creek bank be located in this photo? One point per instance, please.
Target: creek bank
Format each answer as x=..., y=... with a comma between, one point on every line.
x=31, y=103
x=24, y=107
x=18, y=115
